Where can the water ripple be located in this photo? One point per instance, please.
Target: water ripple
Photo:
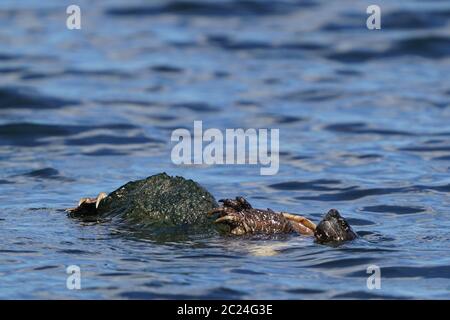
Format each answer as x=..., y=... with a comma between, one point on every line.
x=18, y=98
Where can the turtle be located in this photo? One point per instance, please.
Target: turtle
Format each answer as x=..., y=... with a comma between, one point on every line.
x=161, y=200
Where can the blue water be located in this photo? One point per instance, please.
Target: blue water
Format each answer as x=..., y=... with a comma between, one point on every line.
x=364, y=119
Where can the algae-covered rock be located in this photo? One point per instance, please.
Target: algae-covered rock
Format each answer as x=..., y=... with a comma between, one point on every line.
x=159, y=200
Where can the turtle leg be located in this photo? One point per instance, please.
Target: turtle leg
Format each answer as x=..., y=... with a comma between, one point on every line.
x=228, y=219
x=87, y=206
x=300, y=224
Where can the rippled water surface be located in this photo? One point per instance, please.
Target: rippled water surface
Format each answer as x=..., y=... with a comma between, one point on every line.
x=364, y=123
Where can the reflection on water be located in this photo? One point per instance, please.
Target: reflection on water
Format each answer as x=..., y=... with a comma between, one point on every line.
x=364, y=127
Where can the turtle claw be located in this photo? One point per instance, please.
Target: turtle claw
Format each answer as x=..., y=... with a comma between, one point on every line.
x=87, y=206
x=82, y=200
x=301, y=224
x=234, y=222
x=100, y=197
x=227, y=219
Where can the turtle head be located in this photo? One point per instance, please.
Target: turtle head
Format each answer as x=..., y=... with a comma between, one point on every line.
x=334, y=228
